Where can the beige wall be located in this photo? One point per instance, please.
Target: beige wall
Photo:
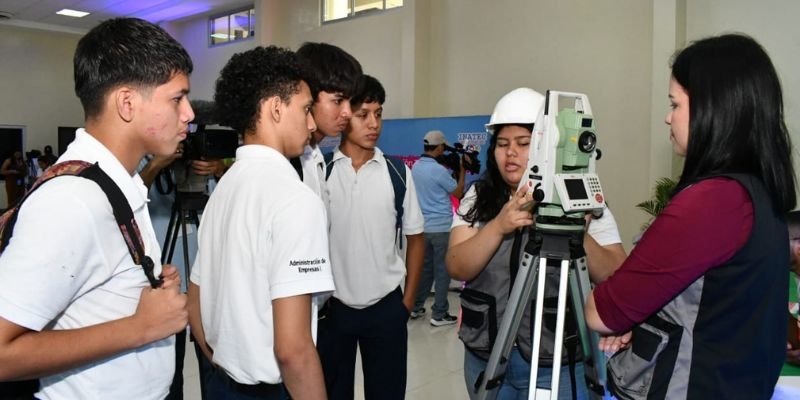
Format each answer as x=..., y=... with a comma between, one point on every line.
x=457, y=57
x=36, y=86
x=771, y=22
x=480, y=50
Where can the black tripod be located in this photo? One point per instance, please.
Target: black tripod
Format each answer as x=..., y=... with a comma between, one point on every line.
x=185, y=210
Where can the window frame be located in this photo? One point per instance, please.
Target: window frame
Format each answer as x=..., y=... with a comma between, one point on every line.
x=228, y=14
x=352, y=13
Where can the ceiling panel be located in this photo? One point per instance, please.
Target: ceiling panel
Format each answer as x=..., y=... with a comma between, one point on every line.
x=43, y=11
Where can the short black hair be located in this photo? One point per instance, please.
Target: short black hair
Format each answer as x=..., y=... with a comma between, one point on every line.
x=330, y=69
x=368, y=90
x=736, y=120
x=250, y=77
x=124, y=51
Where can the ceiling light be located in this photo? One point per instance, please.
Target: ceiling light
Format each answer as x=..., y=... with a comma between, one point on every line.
x=73, y=13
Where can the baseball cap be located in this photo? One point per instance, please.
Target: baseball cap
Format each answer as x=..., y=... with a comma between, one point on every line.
x=434, y=138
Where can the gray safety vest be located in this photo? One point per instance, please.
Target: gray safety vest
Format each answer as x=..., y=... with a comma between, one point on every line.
x=724, y=336
x=484, y=300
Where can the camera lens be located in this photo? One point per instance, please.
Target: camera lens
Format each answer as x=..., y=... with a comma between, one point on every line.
x=587, y=142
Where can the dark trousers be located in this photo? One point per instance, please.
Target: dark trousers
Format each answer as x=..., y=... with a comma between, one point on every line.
x=176, y=388
x=380, y=332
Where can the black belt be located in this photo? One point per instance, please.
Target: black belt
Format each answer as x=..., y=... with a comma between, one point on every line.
x=260, y=389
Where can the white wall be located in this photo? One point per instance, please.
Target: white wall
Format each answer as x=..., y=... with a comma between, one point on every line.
x=480, y=50
x=207, y=61
x=36, y=85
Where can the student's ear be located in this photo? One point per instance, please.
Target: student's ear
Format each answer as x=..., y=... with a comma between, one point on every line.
x=272, y=107
x=123, y=102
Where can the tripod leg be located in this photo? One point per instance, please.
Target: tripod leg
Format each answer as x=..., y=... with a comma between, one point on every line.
x=178, y=222
x=185, y=243
x=520, y=296
x=533, y=390
x=593, y=358
x=558, y=345
x=169, y=242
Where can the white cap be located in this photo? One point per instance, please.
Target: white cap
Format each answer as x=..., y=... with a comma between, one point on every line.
x=434, y=138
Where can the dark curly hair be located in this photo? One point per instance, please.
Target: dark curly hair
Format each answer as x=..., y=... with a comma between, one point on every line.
x=330, y=68
x=491, y=190
x=124, y=51
x=250, y=77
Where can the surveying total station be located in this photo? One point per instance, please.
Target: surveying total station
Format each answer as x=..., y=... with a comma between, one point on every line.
x=560, y=177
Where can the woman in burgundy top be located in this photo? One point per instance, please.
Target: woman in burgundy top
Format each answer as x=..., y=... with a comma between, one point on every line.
x=704, y=292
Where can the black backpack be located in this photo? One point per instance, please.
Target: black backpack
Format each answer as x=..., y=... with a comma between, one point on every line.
x=127, y=226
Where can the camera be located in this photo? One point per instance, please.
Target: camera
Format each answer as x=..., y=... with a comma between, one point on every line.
x=451, y=158
x=32, y=155
x=205, y=144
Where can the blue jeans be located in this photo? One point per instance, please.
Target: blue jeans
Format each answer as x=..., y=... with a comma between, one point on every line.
x=434, y=271
x=518, y=374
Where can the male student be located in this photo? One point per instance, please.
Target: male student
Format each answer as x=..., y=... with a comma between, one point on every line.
x=333, y=74
x=75, y=310
x=262, y=243
x=375, y=288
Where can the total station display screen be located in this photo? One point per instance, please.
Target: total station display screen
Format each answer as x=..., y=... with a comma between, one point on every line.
x=575, y=189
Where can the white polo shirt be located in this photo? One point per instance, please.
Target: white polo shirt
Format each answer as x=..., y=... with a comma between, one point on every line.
x=367, y=265
x=262, y=237
x=67, y=267
x=603, y=230
x=313, y=164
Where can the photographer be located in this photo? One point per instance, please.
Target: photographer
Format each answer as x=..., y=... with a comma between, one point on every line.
x=434, y=188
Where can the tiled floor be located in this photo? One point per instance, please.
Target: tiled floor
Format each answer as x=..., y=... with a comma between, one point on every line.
x=435, y=362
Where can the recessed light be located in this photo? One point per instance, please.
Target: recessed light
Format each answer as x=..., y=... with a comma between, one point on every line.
x=73, y=13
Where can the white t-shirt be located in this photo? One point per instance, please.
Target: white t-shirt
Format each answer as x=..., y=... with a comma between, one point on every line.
x=603, y=230
x=367, y=265
x=262, y=237
x=67, y=267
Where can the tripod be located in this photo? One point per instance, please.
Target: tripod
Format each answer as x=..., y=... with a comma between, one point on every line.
x=556, y=242
x=184, y=210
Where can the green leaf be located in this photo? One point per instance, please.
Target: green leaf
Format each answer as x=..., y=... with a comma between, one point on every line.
x=661, y=195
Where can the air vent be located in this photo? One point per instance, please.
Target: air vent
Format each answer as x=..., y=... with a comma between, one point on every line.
x=4, y=15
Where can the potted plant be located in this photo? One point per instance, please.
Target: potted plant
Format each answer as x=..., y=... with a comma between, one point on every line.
x=661, y=195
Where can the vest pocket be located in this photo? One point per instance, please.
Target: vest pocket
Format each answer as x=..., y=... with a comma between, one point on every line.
x=644, y=369
x=478, y=321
